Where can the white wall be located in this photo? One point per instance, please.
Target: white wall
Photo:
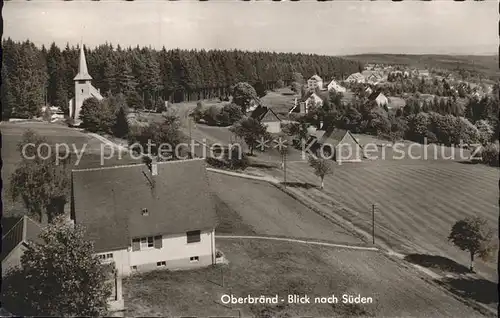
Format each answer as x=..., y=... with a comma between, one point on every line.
x=174, y=248
x=273, y=127
x=82, y=92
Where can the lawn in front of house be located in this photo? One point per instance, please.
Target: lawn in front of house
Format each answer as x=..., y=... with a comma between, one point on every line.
x=268, y=268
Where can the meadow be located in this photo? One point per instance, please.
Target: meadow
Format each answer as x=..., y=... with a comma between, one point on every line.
x=416, y=202
x=55, y=134
x=259, y=267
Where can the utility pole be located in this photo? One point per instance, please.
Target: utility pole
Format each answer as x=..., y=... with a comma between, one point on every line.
x=284, y=167
x=189, y=125
x=373, y=223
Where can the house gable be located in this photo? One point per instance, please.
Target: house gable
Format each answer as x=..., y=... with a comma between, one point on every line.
x=348, y=149
x=110, y=202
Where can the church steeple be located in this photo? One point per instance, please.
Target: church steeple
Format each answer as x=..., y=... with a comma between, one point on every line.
x=83, y=73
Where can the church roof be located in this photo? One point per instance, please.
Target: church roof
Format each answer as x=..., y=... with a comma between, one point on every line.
x=83, y=73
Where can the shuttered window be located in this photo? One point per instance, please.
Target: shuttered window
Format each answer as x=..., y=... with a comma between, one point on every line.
x=158, y=242
x=136, y=244
x=146, y=243
x=193, y=236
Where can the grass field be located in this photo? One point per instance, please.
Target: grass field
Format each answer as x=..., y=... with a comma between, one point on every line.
x=281, y=100
x=416, y=202
x=54, y=133
x=269, y=268
x=264, y=209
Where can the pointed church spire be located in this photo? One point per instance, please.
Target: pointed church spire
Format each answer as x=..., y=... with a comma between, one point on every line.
x=83, y=73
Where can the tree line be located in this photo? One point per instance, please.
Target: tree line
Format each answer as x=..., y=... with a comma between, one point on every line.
x=33, y=76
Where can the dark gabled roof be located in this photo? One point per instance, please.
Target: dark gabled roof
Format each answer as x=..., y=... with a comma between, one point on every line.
x=321, y=94
x=109, y=201
x=24, y=230
x=270, y=116
x=331, y=135
x=306, y=96
x=259, y=112
x=265, y=114
x=374, y=95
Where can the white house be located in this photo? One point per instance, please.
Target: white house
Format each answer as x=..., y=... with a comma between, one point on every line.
x=268, y=118
x=334, y=86
x=315, y=82
x=313, y=100
x=83, y=89
x=336, y=144
x=379, y=98
x=143, y=217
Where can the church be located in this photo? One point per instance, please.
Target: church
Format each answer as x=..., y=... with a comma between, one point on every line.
x=83, y=89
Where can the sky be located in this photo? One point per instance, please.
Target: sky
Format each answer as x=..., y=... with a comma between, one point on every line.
x=331, y=28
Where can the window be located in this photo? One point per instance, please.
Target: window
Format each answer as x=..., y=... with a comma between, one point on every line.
x=161, y=264
x=103, y=257
x=134, y=268
x=81, y=82
x=147, y=242
x=194, y=259
x=193, y=236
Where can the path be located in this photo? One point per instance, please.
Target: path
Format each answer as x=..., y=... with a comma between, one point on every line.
x=283, y=239
x=109, y=143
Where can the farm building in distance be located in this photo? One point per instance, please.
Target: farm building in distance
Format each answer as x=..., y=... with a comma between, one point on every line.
x=338, y=144
x=355, y=78
x=334, y=86
x=315, y=82
x=306, y=102
x=268, y=118
x=144, y=217
x=83, y=89
x=379, y=98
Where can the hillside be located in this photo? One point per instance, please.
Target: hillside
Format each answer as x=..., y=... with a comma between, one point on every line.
x=484, y=64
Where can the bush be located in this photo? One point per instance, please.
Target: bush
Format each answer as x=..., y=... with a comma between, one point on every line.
x=160, y=106
x=466, y=132
x=121, y=126
x=229, y=114
x=485, y=131
x=490, y=154
x=97, y=116
x=47, y=114
x=211, y=114
x=198, y=112
x=243, y=95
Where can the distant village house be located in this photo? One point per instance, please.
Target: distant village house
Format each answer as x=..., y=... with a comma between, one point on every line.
x=315, y=82
x=334, y=86
x=355, y=78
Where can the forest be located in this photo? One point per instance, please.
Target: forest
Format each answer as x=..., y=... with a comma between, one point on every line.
x=33, y=76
